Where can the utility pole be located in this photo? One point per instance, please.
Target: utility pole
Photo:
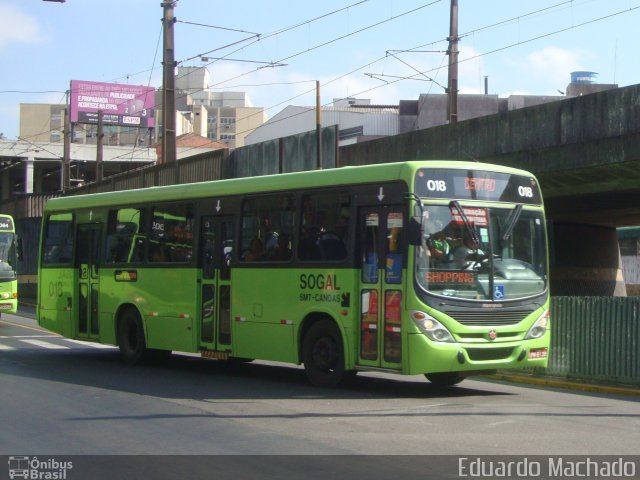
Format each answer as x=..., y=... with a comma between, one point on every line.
x=452, y=87
x=168, y=86
x=99, y=151
x=318, y=128
x=65, y=177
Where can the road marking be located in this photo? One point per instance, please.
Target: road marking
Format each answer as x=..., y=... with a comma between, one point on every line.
x=28, y=336
x=23, y=326
x=48, y=345
x=6, y=348
x=88, y=344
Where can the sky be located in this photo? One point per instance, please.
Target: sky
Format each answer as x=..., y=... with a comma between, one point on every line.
x=382, y=50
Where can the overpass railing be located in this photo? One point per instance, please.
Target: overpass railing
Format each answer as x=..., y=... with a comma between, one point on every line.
x=26, y=206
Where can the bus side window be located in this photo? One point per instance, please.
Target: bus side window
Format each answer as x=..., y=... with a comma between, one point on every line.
x=58, y=240
x=171, y=238
x=324, y=226
x=267, y=227
x=123, y=235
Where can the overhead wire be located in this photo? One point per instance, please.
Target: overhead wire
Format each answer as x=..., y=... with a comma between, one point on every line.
x=495, y=25
x=522, y=42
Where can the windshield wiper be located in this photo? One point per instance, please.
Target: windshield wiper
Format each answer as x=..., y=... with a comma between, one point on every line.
x=467, y=224
x=511, y=221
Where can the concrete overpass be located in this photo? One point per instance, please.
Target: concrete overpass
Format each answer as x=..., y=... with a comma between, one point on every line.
x=586, y=153
x=35, y=167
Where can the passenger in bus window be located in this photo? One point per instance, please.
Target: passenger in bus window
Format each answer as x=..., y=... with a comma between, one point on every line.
x=255, y=251
x=157, y=253
x=309, y=248
x=282, y=250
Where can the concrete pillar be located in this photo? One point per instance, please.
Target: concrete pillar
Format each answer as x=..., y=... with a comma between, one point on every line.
x=38, y=179
x=585, y=261
x=28, y=173
x=5, y=177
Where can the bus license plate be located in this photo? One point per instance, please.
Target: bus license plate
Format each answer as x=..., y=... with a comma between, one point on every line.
x=538, y=353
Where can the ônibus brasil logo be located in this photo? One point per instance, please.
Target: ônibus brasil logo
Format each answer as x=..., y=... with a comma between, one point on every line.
x=33, y=468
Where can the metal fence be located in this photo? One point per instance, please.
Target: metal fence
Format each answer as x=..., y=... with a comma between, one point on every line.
x=596, y=339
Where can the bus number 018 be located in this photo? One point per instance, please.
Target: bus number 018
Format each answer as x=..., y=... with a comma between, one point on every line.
x=437, y=185
x=55, y=289
x=525, y=191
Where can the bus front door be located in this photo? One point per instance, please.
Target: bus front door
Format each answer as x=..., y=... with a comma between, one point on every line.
x=216, y=239
x=87, y=261
x=381, y=279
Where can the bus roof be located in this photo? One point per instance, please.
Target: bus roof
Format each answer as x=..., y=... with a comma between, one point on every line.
x=276, y=182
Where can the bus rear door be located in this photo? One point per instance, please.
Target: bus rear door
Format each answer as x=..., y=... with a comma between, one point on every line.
x=87, y=261
x=381, y=271
x=216, y=247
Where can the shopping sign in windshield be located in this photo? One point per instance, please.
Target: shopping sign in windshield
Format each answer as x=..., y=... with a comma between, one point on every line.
x=120, y=104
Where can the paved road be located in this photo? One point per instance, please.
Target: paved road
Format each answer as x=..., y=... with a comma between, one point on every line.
x=59, y=396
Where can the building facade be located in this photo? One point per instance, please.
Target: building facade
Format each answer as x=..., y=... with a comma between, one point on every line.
x=357, y=121
x=226, y=117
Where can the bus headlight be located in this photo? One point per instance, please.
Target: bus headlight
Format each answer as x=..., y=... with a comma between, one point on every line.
x=432, y=328
x=539, y=328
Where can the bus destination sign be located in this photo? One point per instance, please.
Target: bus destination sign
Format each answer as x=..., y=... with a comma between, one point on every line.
x=6, y=224
x=477, y=185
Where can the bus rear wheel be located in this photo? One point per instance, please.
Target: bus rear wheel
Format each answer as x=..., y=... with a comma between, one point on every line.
x=445, y=379
x=323, y=355
x=131, y=337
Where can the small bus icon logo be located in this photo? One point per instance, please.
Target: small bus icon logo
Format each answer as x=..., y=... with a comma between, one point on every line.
x=18, y=467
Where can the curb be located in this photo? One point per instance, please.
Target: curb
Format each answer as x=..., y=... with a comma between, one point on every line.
x=567, y=384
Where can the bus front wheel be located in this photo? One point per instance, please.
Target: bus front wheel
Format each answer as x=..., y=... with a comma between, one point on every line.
x=323, y=354
x=444, y=379
x=131, y=337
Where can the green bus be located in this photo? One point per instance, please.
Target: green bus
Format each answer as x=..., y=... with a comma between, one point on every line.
x=425, y=267
x=9, y=252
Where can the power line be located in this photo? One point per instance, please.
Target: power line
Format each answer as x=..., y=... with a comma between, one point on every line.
x=269, y=35
x=217, y=27
x=477, y=56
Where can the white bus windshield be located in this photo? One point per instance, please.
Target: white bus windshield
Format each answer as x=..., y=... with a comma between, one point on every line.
x=482, y=253
x=6, y=242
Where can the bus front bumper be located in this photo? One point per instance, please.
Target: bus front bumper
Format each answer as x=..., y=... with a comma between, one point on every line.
x=426, y=356
x=8, y=305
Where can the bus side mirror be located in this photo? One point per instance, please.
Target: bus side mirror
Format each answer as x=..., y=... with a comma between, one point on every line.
x=19, y=249
x=415, y=231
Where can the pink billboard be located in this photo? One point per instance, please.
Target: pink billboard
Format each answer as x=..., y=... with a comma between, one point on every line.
x=121, y=104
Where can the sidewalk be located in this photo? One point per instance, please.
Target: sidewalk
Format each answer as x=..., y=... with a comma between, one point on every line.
x=564, y=383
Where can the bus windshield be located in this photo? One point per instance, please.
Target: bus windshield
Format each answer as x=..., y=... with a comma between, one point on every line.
x=6, y=242
x=482, y=253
